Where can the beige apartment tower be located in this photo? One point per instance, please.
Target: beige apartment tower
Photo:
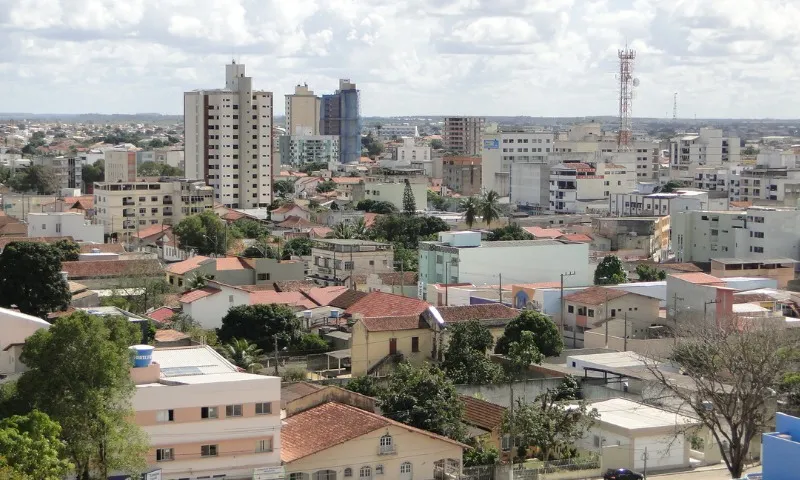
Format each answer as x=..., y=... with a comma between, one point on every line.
x=229, y=140
x=302, y=112
x=463, y=135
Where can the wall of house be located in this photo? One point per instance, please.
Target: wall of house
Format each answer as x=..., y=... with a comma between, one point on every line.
x=367, y=348
x=208, y=311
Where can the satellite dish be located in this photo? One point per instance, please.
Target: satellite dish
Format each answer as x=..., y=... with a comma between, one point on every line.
x=635, y=82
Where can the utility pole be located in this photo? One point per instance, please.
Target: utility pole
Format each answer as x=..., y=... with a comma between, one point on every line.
x=446, y=282
x=607, y=319
x=675, y=299
x=561, y=300
x=625, y=347
x=277, y=374
x=705, y=308
x=500, y=288
x=645, y=457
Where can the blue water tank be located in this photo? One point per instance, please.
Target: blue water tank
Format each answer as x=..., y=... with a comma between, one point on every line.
x=143, y=355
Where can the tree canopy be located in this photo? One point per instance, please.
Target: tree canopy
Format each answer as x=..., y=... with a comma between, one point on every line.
x=204, y=232
x=38, y=179
x=30, y=278
x=95, y=172
x=260, y=324
x=509, y=232
x=376, y=206
x=297, y=247
x=326, y=186
x=365, y=385
x=465, y=360
x=70, y=251
x=437, y=144
x=409, y=202
x=30, y=445
x=471, y=210
x=243, y=354
x=610, y=271
x=647, y=273
x=249, y=228
x=490, y=207
x=153, y=169
x=283, y=188
x=544, y=331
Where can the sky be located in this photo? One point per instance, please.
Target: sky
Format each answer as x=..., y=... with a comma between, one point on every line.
x=408, y=57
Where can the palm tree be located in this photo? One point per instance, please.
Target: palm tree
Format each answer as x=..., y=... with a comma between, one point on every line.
x=360, y=229
x=198, y=280
x=243, y=354
x=489, y=207
x=471, y=208
x=343, y=231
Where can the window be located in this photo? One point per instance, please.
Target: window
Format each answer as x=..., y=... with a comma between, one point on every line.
x=506, y=443
x=264, y=445
x=415, y=344
x=378, y=469
x=386, y=445
x=365, y=472
x=165, y=416
x=348, y=265
x=591, y=313
x=263, y=408
x=263, y=276
x=233, y=410
x=348, y=472
x=571, y=309
x=164, y=455
x=208, y=412
x=208, y=450
x=405, y=468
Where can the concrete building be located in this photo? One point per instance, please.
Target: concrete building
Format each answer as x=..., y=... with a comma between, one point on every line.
x=462, y=175
x=463, y=135
x=16, y=327
x=203, y=416
x=461, y=257
x=766, y=185
x=782, y=270
x=340, y=115
x=298, y=150
x=334, y=261
x=507, y=146
x=228, y=140
x=595, y=305
x=648, y=235
x=780, y=449
x=661, y=204
x=126, y=207
x=757, y=233
x=708, y=148
x=574, y=183
x=120, y=165
x=529, y=184
x=235, y=270
x=302, y=112
x=390, y=188
x=64, y=224
x=409, y=152
x=394, y=130
x=68, y=170
x=169, y=156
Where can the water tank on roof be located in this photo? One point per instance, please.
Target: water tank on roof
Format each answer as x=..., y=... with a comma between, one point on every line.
x=143, y=355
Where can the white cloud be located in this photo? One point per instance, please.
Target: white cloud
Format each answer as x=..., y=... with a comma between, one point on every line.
x=492, y=57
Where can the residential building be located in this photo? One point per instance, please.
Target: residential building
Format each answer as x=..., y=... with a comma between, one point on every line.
x=16, y=327
x=766, y=185
x=661, y=204
x=780, y=269
x=463, y=135
x=780, y=449
x=126, y=207
x=462, y=257
x=409, y=152
x=288, y=210
x=504, y=147
x=68, y=170
x=298, y=150
x=529, y=185
x=484, y=421
x=649, y=237
x=228, y=140
x=169, y=156
x=235, y=270
x=120, y=165
x=361, y=444
x=494, y=316
x=64, y=224
x=708, y=148
x=398, y=283
x=391, y=188
x=462, y=175
x=395, y=130
x=572, y=183
x=108, y=271
x=302, y=112
x=340, y=115
x=335, y=261
x=203, y=416
x=757, y=233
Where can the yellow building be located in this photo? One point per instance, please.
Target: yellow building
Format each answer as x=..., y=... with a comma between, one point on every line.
x=336, y=441
x=484, y=421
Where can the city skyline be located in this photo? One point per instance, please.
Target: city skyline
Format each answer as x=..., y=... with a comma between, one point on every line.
x=462, y=58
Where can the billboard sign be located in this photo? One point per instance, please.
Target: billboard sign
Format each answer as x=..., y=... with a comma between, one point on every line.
x=269, y=473
x=491, y=144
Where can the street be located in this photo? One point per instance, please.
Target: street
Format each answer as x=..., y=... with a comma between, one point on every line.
x=714, y=474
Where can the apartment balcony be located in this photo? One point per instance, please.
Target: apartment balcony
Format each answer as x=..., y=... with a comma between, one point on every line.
x=128, y=214
x=167, y=201
x=128, y=202
x=387, y=449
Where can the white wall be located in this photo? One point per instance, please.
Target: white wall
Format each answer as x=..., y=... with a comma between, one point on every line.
x=15, y=328
x=208, y=311
x=64, y=224
x=663, y=452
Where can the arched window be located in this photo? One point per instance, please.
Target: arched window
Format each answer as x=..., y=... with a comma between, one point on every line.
x=386, y=440
x=324, y=475
x=365, y=472
x=406, y=471
x=387, y=445
x=348, y=472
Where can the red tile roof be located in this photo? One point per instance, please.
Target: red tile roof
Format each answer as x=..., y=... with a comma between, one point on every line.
x=539, y=232
x=323, y=296
x=288, y=208
x=103, y=247
x=576, y=237
x=293, y=285
x=482, y=414
x=161, y=314
x=347, y=298
x=380, y=304
x=347, y=180
x=151, y=230
x=197, y=294
x=595, y=295
x=282, y=298
x=293, y=221
x=394, y=323
x=170, y=335
x=698, y=278
x=111, y=268
x=369, y=218
x=539, y=285
x=332, y=424
x=185, y=266
x=232, y=263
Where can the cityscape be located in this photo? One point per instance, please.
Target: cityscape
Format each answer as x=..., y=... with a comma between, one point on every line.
x=314, y=282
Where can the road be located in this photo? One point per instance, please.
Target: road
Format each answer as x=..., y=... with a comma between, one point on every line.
x=721, y=474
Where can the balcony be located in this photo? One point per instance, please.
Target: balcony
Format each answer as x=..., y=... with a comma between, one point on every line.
x=167, y=201
x=128, y=202
x=387, y=449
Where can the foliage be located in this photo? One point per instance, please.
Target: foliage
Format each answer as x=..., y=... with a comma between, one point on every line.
x=30, y=278
x=79, y=376
x=116, y=301
x=465, y=360
x=409, y=202
x=70, y=251
x=480, y=454
x=205, y=232
x=365, y=385
x=260, y=249
x=249, y=228
x=294, y=375
x=523, y=353
x=260, y=324
x=10, y=401
x=143, y=285
x=376, y=206
x=283, y=188
x=5, y=174
x=30, y=445
x=405, y=259
x=372, y=145
x=733, y=370
x=118, y=136
x=297, y=247
x=197, y=280
x=311, y=343
x=646, y=273
x=313, y=167
x=568, y=389
x=490, y=206
x=471, y=208
x=789, y=386
x=153, y=169
x=39, y=179
x=95, y=172
x=437, y=201
x=671, y=186
x=406, y=229
x=610, y=271
x=750, y=150
x=326, y=186
x=437, y=144
x=509, y=232
x=243, y=354
x=545, y=332
x=356, y=230
x=424, y=398
x=186, y=324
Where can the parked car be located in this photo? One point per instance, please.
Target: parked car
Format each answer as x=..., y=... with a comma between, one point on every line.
x=622, y=474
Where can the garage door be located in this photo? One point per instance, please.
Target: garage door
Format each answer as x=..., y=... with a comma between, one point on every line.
x=662, y=452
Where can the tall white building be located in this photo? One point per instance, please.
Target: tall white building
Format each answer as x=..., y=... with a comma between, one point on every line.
x=708, y=148
x=299, y=150
x=229, y=140
x=302, y=112
x=503, y=146
x=576, y=183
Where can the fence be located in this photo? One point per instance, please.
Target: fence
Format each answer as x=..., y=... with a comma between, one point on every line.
x=569, y=469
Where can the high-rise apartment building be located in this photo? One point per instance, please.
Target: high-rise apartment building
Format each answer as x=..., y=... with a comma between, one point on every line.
x=463, y=134
x=507, y=146
x=708, y=148
x=229, y=140
x=120, y=165
x=302, y=112
x=340, y=114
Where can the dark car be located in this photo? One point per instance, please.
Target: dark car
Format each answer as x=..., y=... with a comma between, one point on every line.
x=621, y=474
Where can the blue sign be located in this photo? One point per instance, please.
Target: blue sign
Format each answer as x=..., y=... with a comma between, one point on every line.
x=491, y=144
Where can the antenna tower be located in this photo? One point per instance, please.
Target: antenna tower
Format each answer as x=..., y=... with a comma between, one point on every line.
x=675, y=107
x=626, y=85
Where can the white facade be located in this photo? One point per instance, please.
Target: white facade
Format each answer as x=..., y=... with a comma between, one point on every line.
x=229, y=140
x=574, y=182
x=708, y=148
x=64, y=224
x=120, y=165
x=209, y=310
x=389, y=131
x=390, y=189
x=409, y=152
x=16, y=328
x=661, y=204
x=503, y=147
x=302, y=112
x=529, y=184
x=299, y=150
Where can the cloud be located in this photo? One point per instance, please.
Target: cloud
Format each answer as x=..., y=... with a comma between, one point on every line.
x=489, y=57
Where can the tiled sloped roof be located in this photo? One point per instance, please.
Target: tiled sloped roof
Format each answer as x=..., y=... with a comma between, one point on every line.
x=394, y=323
x=576, y=237
x=486, y=312
x=282, y=298
x=540, y=232
x=103, y=247
x=293, y=391
x=161, y=314
x=111, y=268
x=232, y=263
x=380, y=304
x=482, y=414
x=151, y=230
x=595, y=295
x=698, y=278
x=182, y=267
x=197, y=294
x=323, y=296
x=293, y=285
x=347, y=298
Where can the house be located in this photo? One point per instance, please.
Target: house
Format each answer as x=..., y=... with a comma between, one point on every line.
x=289, y=210
x=335, y=261
x=399, y=283
x=112, y=273
x=82, y=296
x=484, y=420
x=493, y=316
x=781, y=269
x=235, y=270
x=16, y=328
x=335, y=440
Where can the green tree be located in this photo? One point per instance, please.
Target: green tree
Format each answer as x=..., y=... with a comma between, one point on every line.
x=197, y=280
x=243, y=354
x=356, y=230
x=610, y=271
x=406, y=229
x=95, y=172
x=30, y=278
x=471, y=209
x=424, y=398
x=283, y=188
x=204, y=232
x=313, y=167
x=376, y=206
x=480, y=454
x=523, y=353
x=142, y=284
x=750, y=150
x=646, y=273
x=545, y=332
x=298, y=247
x=409, y=202
x=365, y=385
x=437, y=144
x=36, y=178
x=465, y=360
x=326, y=186
x=79, y=376
x=250, y=228
x=69, y=250
x=260, y=324
x=153, y=169
x=509, y=232
x=260, y=249
x=311, y=343
x=436, y=201
x=490, y=207
x=31, y=445
x=671, y=186
x=5, y=174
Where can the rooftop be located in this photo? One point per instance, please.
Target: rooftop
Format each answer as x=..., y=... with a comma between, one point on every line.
x=482, y=414
x=196, y=364
x=394, y=323
x=596, y=295
x=185, y=266
x=485, y=313
x=760, y=261
x=380, y=304
x=697, y=278
x=634, y=416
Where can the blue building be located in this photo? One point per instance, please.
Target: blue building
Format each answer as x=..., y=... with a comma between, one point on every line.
x=340, y=114
x=781, y=449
